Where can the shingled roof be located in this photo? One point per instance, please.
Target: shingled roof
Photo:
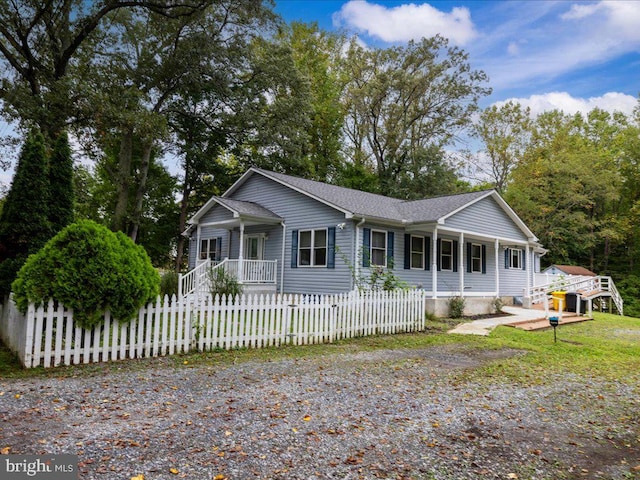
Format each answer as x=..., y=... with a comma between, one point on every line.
x=365, y=204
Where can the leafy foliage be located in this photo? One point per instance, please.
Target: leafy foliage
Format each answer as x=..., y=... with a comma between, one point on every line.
x=24, y=222
x=90, y=269
x=61, y=185
x=169, y=283
x=456, y=307
x=223, y=283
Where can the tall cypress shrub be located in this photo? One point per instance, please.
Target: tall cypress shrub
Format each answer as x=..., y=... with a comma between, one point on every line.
x=61, y=184
x=24, y=222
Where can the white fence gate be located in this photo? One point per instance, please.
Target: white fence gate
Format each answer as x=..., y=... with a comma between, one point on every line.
x=47, y=335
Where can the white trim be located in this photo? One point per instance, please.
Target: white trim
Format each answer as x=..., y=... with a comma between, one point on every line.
x=386, y=247
x=434, y=264
x=312, y=247
x=482, y=260
x=411, y=251
x=451, y=255
x=461, y=268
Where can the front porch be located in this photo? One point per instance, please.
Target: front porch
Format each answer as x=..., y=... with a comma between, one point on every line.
x=256, y=276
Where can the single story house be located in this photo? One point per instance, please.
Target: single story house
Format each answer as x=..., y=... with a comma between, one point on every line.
x=302, y=236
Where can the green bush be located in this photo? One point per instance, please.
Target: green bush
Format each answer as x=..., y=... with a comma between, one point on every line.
x=89, y=269
x=456, y=307
x=169, y=283
x=224, y=283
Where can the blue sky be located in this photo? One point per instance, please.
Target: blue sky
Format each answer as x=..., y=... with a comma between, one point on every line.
x=546, y=54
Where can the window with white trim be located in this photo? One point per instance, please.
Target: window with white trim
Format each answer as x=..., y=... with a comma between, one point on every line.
x=515, y=258
x=208, y=248
x=476, y=258
x=379, y=248
x=446, y=254
x=312, y=248
x=417, y=252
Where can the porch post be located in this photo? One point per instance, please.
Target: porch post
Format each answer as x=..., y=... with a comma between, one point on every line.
x=434, y=264
x=527, y=269
x=461, y=251
x=284, y=239
x=198, y=245
x=497, y=255
x=241, y=253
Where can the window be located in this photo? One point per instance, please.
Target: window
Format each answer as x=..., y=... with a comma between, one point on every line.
x=417, y=252
x=476, y=258
x=515, y=258
x=446, y=254
x=209, y=248
x=312, y=248
x=378, y=248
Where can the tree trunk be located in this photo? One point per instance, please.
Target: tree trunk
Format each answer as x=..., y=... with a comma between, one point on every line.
x=123, y=181
x=184, y=206
x=143, y=174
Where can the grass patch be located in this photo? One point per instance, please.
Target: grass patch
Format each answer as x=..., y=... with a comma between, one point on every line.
x=607, y=347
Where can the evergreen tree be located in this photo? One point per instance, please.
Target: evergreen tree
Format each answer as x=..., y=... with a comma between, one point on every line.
x=61, y=184
x=24, y=223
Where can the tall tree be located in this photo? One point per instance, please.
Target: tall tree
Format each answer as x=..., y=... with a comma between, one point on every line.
x=24, y=222
x=505, y=131
x=39, y=42
x=404, y=101
x=567, y=205
x=317, y=56
x=61, y=186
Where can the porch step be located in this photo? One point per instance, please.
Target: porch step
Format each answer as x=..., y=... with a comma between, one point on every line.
x=543, y=323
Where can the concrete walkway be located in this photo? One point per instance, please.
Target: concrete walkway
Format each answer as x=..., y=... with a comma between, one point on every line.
x=484, y=326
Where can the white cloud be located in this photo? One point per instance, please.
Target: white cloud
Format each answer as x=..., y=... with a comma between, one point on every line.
x=407, y=22
x=551, y=39
x=610, y=102
x=580, y=11
x=513, y=48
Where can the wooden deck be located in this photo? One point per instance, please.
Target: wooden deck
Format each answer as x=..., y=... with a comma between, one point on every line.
x=543, y=323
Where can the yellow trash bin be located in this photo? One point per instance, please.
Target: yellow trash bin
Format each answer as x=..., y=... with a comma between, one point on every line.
x=558, y=296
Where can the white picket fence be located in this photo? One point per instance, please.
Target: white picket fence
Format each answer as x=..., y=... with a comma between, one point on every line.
x=48, y=336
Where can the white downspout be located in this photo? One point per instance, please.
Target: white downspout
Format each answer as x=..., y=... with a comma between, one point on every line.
x=284, y=239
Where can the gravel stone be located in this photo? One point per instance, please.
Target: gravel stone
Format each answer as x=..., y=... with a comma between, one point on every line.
x=389, y=414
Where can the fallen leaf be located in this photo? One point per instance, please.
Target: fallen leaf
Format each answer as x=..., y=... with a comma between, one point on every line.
x=219, y=477
x=174, y=471
x=306, y=418
x=17, y=395
x=512, y=475
x=5, y=450
x=138, y=477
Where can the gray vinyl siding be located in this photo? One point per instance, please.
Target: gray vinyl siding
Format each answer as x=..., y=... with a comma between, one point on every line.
x=303, y=213
x=488, y=218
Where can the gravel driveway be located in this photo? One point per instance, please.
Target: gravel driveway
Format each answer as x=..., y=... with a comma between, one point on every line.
x=382, y=414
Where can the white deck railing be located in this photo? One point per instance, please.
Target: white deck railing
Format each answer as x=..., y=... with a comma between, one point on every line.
x=196, y=282
x=596, y=286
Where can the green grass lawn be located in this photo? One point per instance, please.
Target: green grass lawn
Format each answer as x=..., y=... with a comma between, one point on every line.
x=608, y=347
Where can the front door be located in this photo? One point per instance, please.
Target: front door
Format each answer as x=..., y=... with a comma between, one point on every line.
x=254, y=247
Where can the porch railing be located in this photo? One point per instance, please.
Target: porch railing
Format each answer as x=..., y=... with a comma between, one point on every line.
x=196, y=282
x=253, y=271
